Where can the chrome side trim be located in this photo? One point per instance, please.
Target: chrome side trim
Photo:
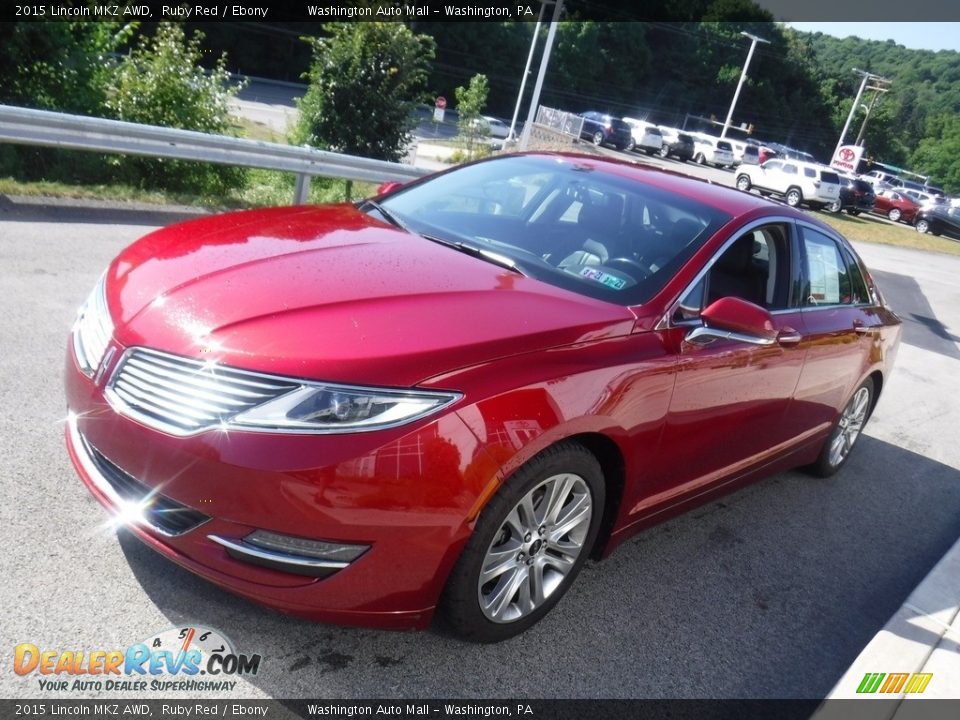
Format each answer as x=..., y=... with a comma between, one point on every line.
x=298, y=561
x=704, y=335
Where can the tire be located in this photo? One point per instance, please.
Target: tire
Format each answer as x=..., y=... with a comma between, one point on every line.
x=664, y=152
x=834, y=207
x=923, y=226
x=743, y=183
x=793, y=197
x=764, y=193
x=853, y=211
x=631, y=146
x=598, y=138
x=846, y=429
x=514, y=541
x=894, y=214
x=700, y=159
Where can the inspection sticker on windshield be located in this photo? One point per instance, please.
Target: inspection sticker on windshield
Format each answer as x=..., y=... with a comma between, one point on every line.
x=601, y=277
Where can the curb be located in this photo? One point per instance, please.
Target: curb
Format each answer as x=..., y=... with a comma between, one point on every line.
x=923, y=636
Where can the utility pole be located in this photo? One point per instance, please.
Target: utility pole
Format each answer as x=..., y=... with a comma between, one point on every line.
x=743, y=76
x=866, y=116
x=856, y=102
x=535, y=100
x=512, y=135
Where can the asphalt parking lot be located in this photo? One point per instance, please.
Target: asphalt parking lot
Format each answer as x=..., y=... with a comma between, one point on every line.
x=770, y=592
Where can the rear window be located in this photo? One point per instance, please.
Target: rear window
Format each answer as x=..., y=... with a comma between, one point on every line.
x=619, y=124
x=685, y=138
x=724, y=145
x=654, y=131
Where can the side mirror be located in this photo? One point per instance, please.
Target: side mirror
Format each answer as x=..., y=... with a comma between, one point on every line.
x=731, y=318
x=388, y=187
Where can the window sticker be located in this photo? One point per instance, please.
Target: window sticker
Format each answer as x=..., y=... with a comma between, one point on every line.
x=603, y=278
x=824, y=273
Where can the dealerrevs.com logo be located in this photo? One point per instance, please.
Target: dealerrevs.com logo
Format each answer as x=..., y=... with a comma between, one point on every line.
x=191, y=659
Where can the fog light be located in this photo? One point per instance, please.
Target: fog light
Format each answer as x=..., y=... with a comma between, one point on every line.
x=319, y=549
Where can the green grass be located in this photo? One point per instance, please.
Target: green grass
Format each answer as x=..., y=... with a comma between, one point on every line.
x=865, y=228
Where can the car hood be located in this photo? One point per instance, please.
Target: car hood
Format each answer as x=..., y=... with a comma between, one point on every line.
x=333, y=294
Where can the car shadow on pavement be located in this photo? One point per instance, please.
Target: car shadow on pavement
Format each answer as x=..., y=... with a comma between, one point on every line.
x=770, y=592
x=91, y=211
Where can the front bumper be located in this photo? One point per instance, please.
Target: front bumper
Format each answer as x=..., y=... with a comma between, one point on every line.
x=405, y=494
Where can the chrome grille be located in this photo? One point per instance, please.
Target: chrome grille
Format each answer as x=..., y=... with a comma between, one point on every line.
x=182, y=396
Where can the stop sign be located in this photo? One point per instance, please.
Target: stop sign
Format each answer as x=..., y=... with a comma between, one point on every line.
x=441, y=102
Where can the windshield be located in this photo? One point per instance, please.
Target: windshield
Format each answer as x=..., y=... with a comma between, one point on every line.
x=562, y=222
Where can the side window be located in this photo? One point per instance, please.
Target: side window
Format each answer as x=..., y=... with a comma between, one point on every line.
x=810, y=172
x=772, y=165
x=827, y=280
x=790, y=169
x=755, y=268
x=858, y=287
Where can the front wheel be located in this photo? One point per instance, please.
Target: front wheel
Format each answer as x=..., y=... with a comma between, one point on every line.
x=528, y=546
x=598, y=138
x=834, y=207
x=664, y=152
x=630, y=146
x=846, y=430
x=743, y=183
x=923, y=226
x=700, y=159
x=894, y=214
x=794, y=197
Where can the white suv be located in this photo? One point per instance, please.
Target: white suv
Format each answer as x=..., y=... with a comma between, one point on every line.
x=646, y=136
x=712, y=150
x=798, y=182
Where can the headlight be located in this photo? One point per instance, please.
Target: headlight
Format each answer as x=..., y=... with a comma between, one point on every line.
x=93, y=329
x=345, y=408
x=184, y=396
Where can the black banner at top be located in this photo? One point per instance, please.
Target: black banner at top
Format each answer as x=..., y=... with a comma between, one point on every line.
x=474, y=10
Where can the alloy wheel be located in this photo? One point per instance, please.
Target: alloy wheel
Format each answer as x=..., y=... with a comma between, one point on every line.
x=851, y=423
x=537, y=545
x=894, y=215
x=922, y=226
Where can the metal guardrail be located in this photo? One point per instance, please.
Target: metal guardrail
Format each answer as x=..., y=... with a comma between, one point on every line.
x=25, y=126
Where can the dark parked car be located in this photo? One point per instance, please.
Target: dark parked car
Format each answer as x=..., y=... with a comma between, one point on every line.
x=856, y=196
x=939, y=220
x=446, y=398
x=602, y=129
x=677, y=143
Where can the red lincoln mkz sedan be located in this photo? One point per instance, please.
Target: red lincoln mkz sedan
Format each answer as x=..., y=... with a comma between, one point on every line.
x=446, y=398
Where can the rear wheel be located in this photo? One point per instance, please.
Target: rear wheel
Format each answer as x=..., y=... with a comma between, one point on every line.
x=631, y=145
x=794, y=197
x=853, y=211
x=834, y=207
x=743, y=183
x=528, y=546
x=700, y=159
x=923, y=226
x=846, y=430
x=664, y=152
x=894, y=214
x=598, y=138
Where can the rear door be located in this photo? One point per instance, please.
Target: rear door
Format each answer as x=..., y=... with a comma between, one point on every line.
x=840, y=326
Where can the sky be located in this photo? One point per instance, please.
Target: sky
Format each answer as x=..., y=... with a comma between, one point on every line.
x=914, y=35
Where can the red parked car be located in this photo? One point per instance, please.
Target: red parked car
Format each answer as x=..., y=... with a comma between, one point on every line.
x=448, y=397
x=896, y=205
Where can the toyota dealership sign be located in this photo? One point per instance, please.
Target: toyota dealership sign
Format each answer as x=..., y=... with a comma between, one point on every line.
x=847, y=158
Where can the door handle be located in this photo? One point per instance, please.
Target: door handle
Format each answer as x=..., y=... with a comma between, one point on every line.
x=789, y=336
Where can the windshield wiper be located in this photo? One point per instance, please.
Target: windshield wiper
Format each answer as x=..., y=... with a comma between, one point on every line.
x=390, y=217
x=478, y=252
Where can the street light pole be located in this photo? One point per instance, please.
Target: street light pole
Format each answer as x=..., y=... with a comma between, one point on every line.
x=867, y=77
x=526, y=71
x=535, y=100
x=866, y=115
x=743, y=76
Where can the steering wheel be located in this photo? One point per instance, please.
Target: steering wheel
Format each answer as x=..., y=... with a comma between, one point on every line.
x=629, y=266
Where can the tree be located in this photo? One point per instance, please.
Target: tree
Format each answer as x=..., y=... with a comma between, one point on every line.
x=937, y=153
x=471, y=101
x=364, y=81
x=161, y=82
